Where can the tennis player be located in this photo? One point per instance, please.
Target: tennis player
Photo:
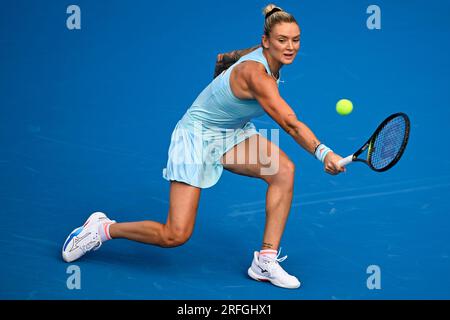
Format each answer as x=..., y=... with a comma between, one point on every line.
x=216, y=133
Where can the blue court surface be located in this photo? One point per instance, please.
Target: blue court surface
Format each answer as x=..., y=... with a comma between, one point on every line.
x=86, y=119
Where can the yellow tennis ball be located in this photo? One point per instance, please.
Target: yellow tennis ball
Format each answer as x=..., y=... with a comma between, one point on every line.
x=344, y=107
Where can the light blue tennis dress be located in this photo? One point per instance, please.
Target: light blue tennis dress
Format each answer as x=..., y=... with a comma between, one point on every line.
x=214, y=124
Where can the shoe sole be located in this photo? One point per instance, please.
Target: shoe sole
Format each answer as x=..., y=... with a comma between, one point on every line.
x=256, y=277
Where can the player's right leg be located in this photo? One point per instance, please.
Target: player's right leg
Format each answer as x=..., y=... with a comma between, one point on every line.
x=177, y=230
x=180, y=222
x=85, y=238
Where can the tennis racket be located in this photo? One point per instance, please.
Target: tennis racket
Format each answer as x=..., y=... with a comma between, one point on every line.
x=386, y=145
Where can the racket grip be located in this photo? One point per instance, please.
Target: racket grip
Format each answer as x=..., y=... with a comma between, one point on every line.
x=345, y=161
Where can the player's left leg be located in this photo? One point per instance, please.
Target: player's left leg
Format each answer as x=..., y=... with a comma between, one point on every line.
x=257, y=157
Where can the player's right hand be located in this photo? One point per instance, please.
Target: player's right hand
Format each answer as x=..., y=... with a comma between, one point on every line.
x=331, y=165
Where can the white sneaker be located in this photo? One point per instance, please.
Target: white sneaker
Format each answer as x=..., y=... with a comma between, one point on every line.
x=269, y=269
x=85, y=238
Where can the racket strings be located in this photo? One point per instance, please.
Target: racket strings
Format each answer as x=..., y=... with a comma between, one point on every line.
x=389, y=143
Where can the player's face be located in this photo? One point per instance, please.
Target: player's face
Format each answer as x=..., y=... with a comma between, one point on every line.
x=283, y=42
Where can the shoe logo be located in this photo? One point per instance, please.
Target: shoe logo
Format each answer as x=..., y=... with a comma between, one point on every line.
x=263, y=270
x=78, y=240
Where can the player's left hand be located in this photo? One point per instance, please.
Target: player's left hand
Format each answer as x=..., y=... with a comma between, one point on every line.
x=331, y=165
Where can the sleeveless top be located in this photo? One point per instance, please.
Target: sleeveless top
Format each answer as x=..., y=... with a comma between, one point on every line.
x=217, y=106
x=216, y=122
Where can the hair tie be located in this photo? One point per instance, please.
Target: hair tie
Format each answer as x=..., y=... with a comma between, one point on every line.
x=271, y=12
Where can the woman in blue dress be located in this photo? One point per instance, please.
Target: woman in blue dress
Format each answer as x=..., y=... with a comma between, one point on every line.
x=216, y=133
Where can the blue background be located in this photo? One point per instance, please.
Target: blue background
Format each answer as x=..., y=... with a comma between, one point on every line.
x=86, y=118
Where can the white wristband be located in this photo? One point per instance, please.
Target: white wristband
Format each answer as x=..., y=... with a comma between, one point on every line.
x=321, y=152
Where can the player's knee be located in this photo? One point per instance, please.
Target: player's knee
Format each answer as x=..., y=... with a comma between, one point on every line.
x=289, y=169
x=285, y=173
x=176, y=237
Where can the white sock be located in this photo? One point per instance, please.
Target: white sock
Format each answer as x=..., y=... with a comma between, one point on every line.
x=267, y=253
x=103, y=230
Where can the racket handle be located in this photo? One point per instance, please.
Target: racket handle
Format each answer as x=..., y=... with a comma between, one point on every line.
x=345, y=161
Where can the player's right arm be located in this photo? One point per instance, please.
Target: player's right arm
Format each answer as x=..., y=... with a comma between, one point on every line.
x=264, y=89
